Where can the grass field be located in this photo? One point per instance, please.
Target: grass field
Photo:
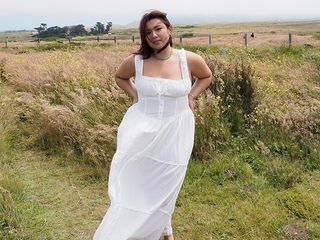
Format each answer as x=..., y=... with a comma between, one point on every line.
x=255, y=166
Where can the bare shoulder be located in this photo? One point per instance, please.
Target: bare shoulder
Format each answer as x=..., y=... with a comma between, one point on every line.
x=193, y=57
x=197, y=65
x=129, y=60
x=127, y=67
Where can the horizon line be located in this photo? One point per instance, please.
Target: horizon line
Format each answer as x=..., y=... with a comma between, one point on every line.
x=176, y=20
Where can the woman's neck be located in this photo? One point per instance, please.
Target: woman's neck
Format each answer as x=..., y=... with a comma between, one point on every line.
x=164, y=54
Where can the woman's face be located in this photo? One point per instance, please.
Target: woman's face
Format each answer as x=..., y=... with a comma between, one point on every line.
x=157, y=33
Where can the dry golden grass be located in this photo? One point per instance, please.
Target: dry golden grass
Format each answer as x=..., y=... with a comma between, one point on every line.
x=65, y=93
x=60, y=108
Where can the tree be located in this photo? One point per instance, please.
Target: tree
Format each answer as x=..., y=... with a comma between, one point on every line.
x=108, y=27
x=78, y=30
x=42, y=28
x=98, y=29
x=71, y=31
x=51, y=32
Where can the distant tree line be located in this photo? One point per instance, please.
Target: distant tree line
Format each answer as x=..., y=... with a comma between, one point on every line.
x=72, y=31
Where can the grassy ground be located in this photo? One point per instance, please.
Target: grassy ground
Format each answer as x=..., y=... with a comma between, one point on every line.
x=59, y=199
x=254, y=173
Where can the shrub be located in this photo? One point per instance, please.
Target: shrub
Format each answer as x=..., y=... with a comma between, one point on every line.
x=58, y=127
x=187, y=35
x=187, y=26
x=233, y=84
x=52, y=38
x=211, y=132
x=57, y=46
x=225, y=106
x=300, y=205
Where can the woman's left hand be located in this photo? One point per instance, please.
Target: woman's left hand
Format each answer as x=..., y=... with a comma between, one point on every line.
x=191, y=102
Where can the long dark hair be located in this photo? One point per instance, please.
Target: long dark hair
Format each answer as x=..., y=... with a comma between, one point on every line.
x=145, y=50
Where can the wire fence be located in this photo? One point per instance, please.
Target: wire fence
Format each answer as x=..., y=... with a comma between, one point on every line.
x=237, y=40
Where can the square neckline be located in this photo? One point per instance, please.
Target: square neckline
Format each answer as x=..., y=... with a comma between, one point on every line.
x=165, y=79
x=161, y=78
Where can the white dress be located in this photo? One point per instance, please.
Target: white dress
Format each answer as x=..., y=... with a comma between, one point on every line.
x=154, y=144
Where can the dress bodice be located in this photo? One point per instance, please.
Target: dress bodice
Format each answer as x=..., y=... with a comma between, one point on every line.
x=155, y=86
x=160, y=97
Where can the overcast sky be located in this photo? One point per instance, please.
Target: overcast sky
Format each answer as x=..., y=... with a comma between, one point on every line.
x=27, y=14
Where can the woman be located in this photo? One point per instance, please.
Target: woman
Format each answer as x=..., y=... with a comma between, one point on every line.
x=155, y=137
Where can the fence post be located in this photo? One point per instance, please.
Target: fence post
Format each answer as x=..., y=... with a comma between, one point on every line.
x=180, y=39
x=290, y=39
x=245, y=39
x=115, y=39
x=133, y=38
x=209, y=39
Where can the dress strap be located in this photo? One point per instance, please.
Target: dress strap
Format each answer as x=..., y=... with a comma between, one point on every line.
x=184, y=64
x=138, y=62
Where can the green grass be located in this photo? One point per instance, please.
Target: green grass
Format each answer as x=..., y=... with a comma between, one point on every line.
x=55, y=46
x=251, y=175
x=223, y=199
x=58, y=201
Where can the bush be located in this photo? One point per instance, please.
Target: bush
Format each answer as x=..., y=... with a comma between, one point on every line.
x=233, y=84
x=58, y=46
x=58, y=127
x=225, y=107
x=212, y=133
x=52, y=39
x=300, y=205
x=204, y=50
x=187, y=35
x=187, y=26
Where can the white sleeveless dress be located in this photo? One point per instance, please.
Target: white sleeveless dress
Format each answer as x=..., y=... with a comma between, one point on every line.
x=154, y=144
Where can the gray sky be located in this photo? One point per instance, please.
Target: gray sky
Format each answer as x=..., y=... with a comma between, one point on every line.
x=27, y=14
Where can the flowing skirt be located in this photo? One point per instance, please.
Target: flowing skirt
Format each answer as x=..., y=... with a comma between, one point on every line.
x=146, y=174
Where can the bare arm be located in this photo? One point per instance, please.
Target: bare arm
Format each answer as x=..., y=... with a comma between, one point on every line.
x=203, y=74
x=124, y=73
